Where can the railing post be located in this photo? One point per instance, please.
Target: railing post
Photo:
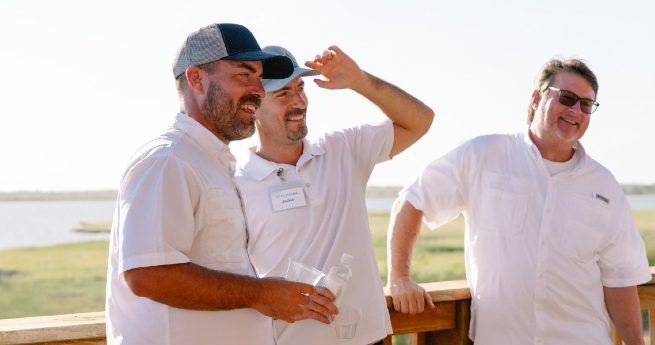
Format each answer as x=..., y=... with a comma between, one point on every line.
x=458, y=335
x=417, y=338
x=647, y=301
x=651, y=325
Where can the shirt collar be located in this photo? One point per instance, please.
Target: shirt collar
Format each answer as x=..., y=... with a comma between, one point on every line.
x=534, y=151
x=207, y=141
x=260, y=168
x=309, y=150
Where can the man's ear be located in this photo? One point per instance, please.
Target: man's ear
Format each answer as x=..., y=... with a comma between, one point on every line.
x=195, y=78
x=536, y=97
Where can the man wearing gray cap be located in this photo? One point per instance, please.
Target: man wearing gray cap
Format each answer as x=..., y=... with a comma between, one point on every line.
x=178, y=270
x=305, y=199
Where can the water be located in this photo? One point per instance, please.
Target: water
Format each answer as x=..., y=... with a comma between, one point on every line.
x=44, y=223
x=379, y=204
x=642, y=201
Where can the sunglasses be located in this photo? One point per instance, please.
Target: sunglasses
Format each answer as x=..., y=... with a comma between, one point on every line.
x=569, y=99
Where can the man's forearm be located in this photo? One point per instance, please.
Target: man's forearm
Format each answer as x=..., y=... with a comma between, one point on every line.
x=402, y=108
x=404, y=228
x=625, y=311
x=189, y=286
x=411, y=117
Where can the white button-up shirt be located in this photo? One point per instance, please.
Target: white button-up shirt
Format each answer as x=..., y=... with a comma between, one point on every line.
x=333, y=171
x=178, y=203
x=539, y=248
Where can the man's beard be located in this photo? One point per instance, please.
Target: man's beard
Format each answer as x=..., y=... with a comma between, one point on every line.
x=221, y=112
x=301, y=132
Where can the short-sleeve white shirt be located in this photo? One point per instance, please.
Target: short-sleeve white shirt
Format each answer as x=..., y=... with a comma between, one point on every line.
x=539, y=248
x=334, y=171
x=178, y=203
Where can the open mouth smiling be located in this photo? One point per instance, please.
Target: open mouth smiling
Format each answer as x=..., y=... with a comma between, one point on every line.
x=249, y=108
x=298, y=117
x=569, y=121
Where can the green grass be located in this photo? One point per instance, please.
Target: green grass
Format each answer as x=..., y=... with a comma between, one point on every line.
x=53, y=280
x=71, y=278
x=645, y=220
x=101, y=226
x=438, y=255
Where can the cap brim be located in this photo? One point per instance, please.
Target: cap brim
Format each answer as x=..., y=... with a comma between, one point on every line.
x=272, y=85
x=275, y=66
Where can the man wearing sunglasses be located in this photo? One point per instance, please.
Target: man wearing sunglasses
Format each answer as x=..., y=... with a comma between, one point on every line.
x=552, y=252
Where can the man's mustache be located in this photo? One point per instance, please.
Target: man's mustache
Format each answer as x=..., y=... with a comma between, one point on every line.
x=250, y=99
x=293, y=112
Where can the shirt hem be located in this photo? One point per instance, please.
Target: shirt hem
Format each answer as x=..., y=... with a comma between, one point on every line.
x=150, y=260
x=627, y=281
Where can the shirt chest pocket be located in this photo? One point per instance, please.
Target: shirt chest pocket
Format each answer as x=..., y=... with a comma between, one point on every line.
x=581, y=227
x=503, y=204
x=222, y=236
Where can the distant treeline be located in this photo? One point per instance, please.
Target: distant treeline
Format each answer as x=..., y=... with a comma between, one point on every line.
x=371, y=192
x=639, y=189
x=392, y=191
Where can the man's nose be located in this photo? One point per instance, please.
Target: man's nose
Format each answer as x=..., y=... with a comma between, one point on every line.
x=575, y=108
x=257, y=89
x=300, y=100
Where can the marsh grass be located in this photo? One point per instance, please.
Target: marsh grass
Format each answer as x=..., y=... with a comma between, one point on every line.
x=71, y=278
x=98, y=226
x=60, y=279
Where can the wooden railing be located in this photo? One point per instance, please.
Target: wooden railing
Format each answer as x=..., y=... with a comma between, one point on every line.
x=447, y=324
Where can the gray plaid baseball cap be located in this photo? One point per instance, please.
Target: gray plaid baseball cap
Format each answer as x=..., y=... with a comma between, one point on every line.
x=272, y=85
x=228, y=42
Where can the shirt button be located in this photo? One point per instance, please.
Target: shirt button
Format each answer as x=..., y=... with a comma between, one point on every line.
x=548, y=210
x=308, y=184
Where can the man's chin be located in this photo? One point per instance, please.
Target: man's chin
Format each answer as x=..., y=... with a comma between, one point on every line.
x=296, y=136
x=568, y=138
x=242, y=133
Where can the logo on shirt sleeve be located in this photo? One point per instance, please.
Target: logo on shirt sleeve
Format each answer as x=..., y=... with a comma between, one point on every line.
x=602, y=198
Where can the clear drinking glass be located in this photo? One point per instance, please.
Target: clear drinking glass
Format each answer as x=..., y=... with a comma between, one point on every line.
x=299, y=272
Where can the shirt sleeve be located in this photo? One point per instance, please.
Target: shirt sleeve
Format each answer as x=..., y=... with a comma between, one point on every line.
x=624, y=262
x=440, y=190
x=156, y=223
x=370, y=144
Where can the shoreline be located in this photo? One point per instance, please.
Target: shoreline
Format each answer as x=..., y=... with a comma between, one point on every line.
x=110, y=195
x=98, y=228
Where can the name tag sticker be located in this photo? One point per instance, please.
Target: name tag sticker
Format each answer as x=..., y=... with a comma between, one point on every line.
x=287, y=195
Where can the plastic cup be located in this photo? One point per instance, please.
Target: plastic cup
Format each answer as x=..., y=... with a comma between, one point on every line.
x=345, y=324
x=299, y=272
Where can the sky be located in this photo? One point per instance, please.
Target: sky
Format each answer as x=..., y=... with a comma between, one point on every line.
x=86, y=83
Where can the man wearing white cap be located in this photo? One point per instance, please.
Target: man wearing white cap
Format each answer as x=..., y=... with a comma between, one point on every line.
x=179, y=272
x=327, y=216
